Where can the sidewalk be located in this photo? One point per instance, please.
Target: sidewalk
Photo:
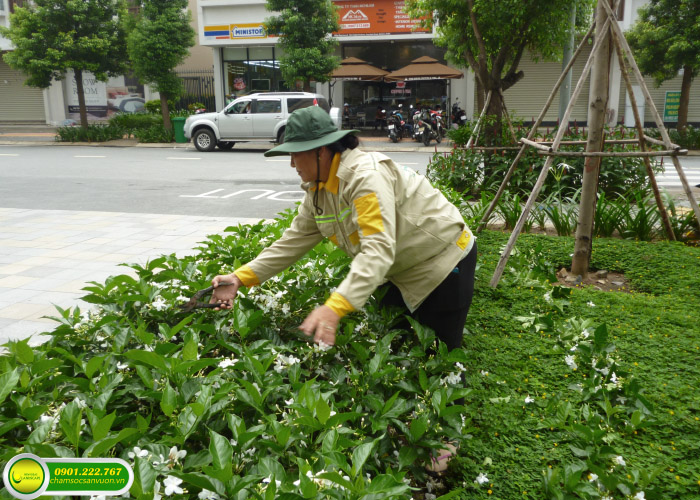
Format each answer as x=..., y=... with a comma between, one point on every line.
x=48, y=256
x=43, y=135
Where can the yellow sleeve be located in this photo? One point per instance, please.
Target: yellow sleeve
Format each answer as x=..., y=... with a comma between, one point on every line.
x=339, y=304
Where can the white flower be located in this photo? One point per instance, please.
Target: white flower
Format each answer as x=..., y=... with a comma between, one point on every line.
x=619, y=460
x=283, y=362
x=288, y=402
x=453, y=378
x=322, y=346
x=639, y=496
x=175, y=455
x=205, y=494
x=98, y=497
x=122, y=366
x=485, y=374
x=172, y=485
x=429, y=496
x=268, y=479
x=481, y=479
x=156, y=491
x=529, y=400
x=138, y=452
x=613, y=378
x=227, y=362
x=460, y=367
x=159, y=304
x=571, y=362
x=590, y=304
x=592, y=477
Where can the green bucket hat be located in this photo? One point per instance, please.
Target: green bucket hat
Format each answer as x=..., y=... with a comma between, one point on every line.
x=308, y=128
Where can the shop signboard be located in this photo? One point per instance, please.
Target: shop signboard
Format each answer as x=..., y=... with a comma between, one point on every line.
x=671, y=106
x=237, y=31
x=379, y=17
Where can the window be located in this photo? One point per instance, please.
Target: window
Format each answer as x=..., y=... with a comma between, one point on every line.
x=294, y=103
x=269, y=106
x=240, y=108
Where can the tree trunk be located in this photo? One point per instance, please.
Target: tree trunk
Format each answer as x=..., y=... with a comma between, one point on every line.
x=78, y=73
x=685, y=100
x=597, y=105
x=492, y=133
x=165, y=111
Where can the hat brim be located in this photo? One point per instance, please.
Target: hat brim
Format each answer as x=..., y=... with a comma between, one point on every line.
x=300, y=146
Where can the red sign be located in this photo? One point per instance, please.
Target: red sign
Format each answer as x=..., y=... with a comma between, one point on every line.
x=380, y=17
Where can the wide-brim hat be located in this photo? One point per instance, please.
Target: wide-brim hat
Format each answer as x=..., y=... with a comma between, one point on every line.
x=308, y=128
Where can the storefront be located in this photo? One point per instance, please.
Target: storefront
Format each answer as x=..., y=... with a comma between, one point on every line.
x=246, y=58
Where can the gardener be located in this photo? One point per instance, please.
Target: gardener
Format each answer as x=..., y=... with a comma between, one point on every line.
x=389, y=219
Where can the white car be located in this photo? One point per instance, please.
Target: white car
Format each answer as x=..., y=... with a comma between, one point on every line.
x=260, y=117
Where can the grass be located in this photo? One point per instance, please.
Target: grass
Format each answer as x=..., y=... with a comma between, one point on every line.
x=656, y=330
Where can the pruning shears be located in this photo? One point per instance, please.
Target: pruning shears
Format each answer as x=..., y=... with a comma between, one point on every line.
x=194, y=302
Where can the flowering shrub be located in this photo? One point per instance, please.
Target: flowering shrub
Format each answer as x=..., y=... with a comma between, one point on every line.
x=234, y=404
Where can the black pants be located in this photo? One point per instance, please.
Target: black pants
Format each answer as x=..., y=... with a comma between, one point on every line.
x=445, y=309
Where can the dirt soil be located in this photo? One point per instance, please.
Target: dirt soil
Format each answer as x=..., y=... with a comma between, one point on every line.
x=599, y=279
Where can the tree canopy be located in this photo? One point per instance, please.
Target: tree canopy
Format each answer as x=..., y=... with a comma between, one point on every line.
x=159, y=42
x=665, y=40
x=491, y=37
x=304, y=28
x=53, y=36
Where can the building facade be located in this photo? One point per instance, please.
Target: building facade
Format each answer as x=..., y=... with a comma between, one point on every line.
x=246, y=59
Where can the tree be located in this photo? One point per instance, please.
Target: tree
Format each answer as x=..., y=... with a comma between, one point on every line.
x=304, y=28
x=54, y=36
x=491, y=37
x=158, y=42
x=665, y=40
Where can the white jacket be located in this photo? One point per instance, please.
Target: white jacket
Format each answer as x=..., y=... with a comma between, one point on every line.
x=393, y=223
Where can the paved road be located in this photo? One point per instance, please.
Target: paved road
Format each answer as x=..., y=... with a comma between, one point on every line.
x=158, y=180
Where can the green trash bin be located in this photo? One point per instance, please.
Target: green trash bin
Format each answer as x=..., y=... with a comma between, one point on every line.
x=179, y=128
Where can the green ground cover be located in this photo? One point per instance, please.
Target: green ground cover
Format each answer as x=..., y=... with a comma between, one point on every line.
x=219, y=405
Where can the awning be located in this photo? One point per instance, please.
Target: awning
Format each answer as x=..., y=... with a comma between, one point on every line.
x=352, y=68
x=423, y=68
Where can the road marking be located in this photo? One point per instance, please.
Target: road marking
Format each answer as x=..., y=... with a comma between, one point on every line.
x=89, y=156
x=203, y=195
x=182, y=158
x=269, y=194
x=9, y=154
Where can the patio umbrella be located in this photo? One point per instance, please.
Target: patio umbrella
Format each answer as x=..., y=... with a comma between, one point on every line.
x=352, y=68
x=423, y=68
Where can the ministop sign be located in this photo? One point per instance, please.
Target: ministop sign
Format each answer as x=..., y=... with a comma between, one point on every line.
x=671, y=105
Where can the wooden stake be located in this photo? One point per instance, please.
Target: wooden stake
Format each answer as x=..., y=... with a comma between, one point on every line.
x=547, y=164
x=652, y=108
x=613, y=154
x=475, y=132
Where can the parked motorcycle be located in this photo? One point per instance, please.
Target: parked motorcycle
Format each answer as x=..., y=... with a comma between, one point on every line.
x=396, y=125
x=459, y=116
x=432, y=126
x=417, y=132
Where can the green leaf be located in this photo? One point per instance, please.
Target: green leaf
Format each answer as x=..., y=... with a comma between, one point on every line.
x=168, y=401
x=189, y=351
x=93, y=365
x=418, y=427
x=144, y=477
x=150, y=358
x=323, y=411
x=221, y=453
x=70, y=422
x=99, y=448
x=103, y=426
x=407, y=456
x=8, y=381
x=24, y=353
x=359, y=457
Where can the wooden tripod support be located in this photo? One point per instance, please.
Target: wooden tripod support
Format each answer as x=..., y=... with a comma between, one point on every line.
x=551, y=149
